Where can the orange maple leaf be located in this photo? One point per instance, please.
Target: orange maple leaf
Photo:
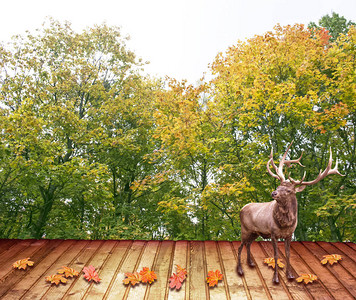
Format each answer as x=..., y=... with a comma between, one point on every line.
x=331, y=259
x=56, y=279
x=22, y=263
x=176, y=280
x=147, y=275
x=307, y=278
x=91, y=274
x=133, y=278
x=68, y=272
x=270, y=262
x=214, y=277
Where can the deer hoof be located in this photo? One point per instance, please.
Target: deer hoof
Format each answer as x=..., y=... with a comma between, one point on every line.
x=290, y=276
x=240, y=271
x=251, y=264
x=275, y=280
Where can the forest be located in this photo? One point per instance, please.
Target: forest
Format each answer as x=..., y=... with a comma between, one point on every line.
x=91, y=148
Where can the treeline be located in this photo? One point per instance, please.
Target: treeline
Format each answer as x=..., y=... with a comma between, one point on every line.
x=92, y=149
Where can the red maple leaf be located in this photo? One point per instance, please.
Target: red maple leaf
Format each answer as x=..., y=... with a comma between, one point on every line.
x=133, y=278
x=91, y=274
x=214, y=277
x=68, y=272
x=56, y=279
x=147, y=275
x=176, y=280
x=22, y=263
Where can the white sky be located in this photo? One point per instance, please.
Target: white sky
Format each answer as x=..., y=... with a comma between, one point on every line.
x=180, y=38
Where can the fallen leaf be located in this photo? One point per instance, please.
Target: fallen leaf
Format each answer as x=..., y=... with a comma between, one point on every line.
x=68, y=272
x=176, y=280
x=22, y=263
x=56, y=279
x=270, y=262
x=133, y=278
x=331, y=259
x=91, y=274
x=214, y=277
x=147, y=275
x=307, y=278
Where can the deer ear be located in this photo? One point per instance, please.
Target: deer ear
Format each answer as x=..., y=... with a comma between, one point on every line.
x=300, y=188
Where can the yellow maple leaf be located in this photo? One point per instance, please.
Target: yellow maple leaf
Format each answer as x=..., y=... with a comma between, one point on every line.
x=331, y=259
x=22, y=263
x=307, y=278
x=270, y=262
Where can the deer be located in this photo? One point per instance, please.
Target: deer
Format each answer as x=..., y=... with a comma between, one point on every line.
x=277, y=219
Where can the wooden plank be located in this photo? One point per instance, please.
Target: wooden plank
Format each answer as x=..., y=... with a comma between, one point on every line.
x=109, y=270
x=346, y=261
x=6, y=244
x=212, y=264
x=23, y=288
x=163, y=269
x=40, y=250
x=256, y=287
x=198, y=289
x=277, y=291
x=13, y=252
x=344, y=277
x=79, y=252
x=293, y=287
x=147, y=260
x=81, y=287
x=117, y=289
x=7, y=268
x=351, y=245
x=326, y=279
x=316, y=290
x=181, y=258
x=350, y=252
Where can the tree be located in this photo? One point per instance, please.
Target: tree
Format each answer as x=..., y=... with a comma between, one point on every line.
x=283, y=86
x=335, y=25
x=57, y=87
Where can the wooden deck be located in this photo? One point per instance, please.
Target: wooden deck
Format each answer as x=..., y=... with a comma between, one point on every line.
x=114, y=258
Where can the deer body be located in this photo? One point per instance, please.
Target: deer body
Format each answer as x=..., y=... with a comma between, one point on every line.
x=278, y=218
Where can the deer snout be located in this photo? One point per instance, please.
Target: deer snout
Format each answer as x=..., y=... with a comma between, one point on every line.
x=274, y=194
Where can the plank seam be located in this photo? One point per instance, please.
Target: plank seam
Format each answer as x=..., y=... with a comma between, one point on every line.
x=101, y=268
x=340, y=263
x=336, y=277
x=227, y=290
x=70, y=264
x=135, y=268
x=310, y=268
x=117, y=271
x=38, y=279
x=207, y=293
x=88, y=262
x=279, y=273
x=147, y=292
x=170, y=269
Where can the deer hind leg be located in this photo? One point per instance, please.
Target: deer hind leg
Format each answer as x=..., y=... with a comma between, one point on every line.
x=287, y=250
x=246, y=240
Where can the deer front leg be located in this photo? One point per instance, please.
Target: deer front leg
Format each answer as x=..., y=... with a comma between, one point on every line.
x=287, y=250
x=275, y=249
x=249, y=260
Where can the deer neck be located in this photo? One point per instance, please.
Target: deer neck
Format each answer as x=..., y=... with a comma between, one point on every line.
x=285, y=212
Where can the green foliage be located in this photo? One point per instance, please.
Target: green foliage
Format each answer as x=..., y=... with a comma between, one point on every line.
x=335, y=24
x=91, y=149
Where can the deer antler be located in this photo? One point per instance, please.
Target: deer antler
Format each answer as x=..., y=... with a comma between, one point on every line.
x=279, y=171
x=322, y=175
